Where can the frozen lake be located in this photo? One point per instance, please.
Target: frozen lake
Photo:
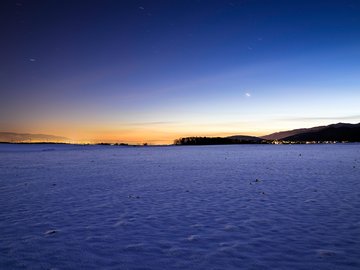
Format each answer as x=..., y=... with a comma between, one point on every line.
x=180, y=207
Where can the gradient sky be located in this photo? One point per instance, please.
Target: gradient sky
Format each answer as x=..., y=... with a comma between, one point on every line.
x=152, y=71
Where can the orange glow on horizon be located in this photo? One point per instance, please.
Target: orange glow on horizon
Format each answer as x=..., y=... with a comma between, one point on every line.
x=159, y=133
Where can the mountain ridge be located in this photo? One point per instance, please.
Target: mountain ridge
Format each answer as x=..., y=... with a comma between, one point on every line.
x=288, y=133
x=334, y=132
x=30, y=137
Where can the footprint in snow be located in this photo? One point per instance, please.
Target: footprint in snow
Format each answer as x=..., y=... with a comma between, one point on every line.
x=133, y=196
x=193, y=237
x=326, y=253
x=230, y=227
x=50, y=232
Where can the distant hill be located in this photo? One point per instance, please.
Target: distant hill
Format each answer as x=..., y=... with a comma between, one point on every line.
x=27, y=137
x=245, y=138
x=295, y=133
x=283, y=134
x=335, y=132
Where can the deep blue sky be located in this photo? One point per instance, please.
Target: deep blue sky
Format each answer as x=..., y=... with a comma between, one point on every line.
x=156, y=70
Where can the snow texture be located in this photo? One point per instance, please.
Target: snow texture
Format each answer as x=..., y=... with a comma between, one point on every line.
x=180, y=207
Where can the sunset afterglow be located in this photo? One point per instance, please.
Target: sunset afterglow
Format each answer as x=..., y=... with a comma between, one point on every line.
x=152, y=71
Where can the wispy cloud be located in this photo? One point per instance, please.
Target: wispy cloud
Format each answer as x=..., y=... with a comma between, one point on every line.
x=315, y=118
x=153, y=123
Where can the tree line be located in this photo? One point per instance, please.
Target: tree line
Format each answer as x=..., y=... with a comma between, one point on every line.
x=210, y=141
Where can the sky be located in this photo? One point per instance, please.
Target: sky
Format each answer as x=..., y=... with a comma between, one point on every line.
x=153, y=71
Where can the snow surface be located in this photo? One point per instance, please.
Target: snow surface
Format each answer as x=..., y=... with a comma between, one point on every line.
x=180, y=207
